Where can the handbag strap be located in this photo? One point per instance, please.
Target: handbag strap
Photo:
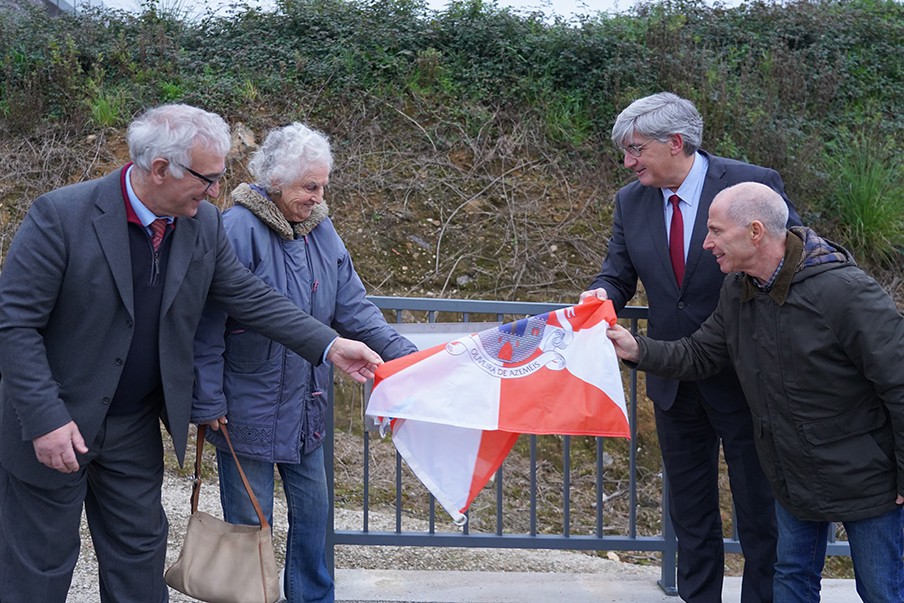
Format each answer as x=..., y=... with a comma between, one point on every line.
x=196, y=481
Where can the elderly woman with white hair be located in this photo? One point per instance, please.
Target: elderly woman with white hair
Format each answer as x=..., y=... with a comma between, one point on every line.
x=274, y=400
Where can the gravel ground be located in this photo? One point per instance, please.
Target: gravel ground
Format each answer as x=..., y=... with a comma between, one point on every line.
x=177, y=490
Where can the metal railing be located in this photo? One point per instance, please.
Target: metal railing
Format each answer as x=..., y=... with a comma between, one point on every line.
x=595, y=540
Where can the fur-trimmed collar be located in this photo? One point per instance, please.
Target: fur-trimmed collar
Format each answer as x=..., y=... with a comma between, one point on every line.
x=267, y=212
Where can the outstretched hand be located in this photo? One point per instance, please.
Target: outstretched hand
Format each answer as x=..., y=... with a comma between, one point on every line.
x=599, y=293
x=626, y=346
x=57, y=448
x=354, y=358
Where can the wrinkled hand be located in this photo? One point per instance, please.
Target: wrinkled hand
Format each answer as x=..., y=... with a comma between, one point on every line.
x=354, y=358
x=597, y=293
x=215, y=424
x=57, y=449
x=626, y=346
x=900, y=500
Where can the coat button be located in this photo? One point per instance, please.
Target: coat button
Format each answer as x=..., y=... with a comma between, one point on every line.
x=118, y=362
x=129, y=323
x=106, y=400
x=681, y=305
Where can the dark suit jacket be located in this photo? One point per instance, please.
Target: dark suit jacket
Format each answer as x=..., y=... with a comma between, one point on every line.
x=638, y=249
x=66, y=317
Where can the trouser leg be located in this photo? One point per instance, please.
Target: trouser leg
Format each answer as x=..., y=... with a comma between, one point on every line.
x=690, y=451
x=39, y=538
x=124, y=509
x=237, y=507
x=801, y=556
x=877, y=547
x=753, y=501
x=307, y=578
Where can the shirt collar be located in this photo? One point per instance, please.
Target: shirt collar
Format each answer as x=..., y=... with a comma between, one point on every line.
x=692, y=187
x=781, y=281
x=767, y=286
x=144, y=215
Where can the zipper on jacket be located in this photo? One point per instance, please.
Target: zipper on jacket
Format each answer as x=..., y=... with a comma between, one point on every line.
x=314, y=282
x=155, y=264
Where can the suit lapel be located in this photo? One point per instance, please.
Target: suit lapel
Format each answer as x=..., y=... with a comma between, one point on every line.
x=111, y=228
x=654, y=218
x=712, y=184
x=184, y=235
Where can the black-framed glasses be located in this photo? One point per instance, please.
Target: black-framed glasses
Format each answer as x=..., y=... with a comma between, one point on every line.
x=205, y=179
x=637, y=150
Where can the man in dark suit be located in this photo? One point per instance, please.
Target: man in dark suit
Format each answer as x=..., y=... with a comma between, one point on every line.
x=100, y=295
x=662, y=247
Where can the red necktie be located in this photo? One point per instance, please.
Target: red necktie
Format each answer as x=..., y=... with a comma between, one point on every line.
x=158, y=228
x=676, y=239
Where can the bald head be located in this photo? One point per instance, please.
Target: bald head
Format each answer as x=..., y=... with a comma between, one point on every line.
x=746, y=229
x=748, y=202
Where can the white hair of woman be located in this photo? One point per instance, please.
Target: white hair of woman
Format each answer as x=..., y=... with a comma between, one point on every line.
x=287, y=154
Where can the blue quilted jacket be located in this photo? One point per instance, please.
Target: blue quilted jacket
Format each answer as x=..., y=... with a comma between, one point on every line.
x=275, y=400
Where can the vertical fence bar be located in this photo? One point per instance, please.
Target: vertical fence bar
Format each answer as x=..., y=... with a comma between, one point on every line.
x=632, y=456
x=600, y=488
x=566, y=486
x=398, y=492
x=365, y=497
x=499, y=511
x=533, y=485
x=329, y=446
x=668, y=579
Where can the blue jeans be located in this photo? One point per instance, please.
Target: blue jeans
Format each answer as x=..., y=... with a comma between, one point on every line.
x=877, y=548
x=307, y=578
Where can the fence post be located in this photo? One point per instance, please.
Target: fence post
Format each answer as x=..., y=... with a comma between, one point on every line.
x=329, y=447
x=668, y=582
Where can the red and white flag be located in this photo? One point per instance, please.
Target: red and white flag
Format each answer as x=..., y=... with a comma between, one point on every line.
x=457, y=409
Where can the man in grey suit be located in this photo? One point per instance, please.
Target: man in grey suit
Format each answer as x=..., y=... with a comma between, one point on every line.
x=657, y=239
x=100, y=295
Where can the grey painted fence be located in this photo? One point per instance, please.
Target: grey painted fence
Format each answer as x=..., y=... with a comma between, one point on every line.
x=428, y=310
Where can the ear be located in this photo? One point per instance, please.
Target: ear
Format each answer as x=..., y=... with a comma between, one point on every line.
x=159, y=170
x=757, y=231
x=676, y=144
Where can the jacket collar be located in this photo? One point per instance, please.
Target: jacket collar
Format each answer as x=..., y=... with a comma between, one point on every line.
x=265, y=210
x=794, y=250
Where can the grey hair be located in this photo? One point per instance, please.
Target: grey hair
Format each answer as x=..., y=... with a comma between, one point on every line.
x=749, y=201
x=171, y=132
x=287, y=154
x=659, y=116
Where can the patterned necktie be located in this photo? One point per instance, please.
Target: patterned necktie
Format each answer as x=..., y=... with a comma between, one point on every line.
x=676, y=239
x=158, y=228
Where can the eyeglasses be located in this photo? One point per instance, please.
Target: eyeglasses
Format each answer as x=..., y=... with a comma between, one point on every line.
x=637, y=150
x=208, y=181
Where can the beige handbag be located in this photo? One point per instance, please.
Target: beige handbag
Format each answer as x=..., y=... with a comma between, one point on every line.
x=222, y=562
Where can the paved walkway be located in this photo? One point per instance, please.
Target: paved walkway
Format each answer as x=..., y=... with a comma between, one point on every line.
x=410, y=586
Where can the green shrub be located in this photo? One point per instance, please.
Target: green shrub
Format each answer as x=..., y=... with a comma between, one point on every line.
x=775, y=82
x=867, y=196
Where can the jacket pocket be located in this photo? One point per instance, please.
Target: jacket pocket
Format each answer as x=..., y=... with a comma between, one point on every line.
x=247, y=350
x=848, y=425
x=847, y=461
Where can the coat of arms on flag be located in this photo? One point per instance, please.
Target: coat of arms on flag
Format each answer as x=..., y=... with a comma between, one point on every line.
x=457, y=409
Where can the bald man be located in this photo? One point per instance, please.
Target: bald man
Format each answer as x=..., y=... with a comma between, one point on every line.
x=818, y=347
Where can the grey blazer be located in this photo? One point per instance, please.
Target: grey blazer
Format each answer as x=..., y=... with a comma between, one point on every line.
x=639, y=250
x=66, y=317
